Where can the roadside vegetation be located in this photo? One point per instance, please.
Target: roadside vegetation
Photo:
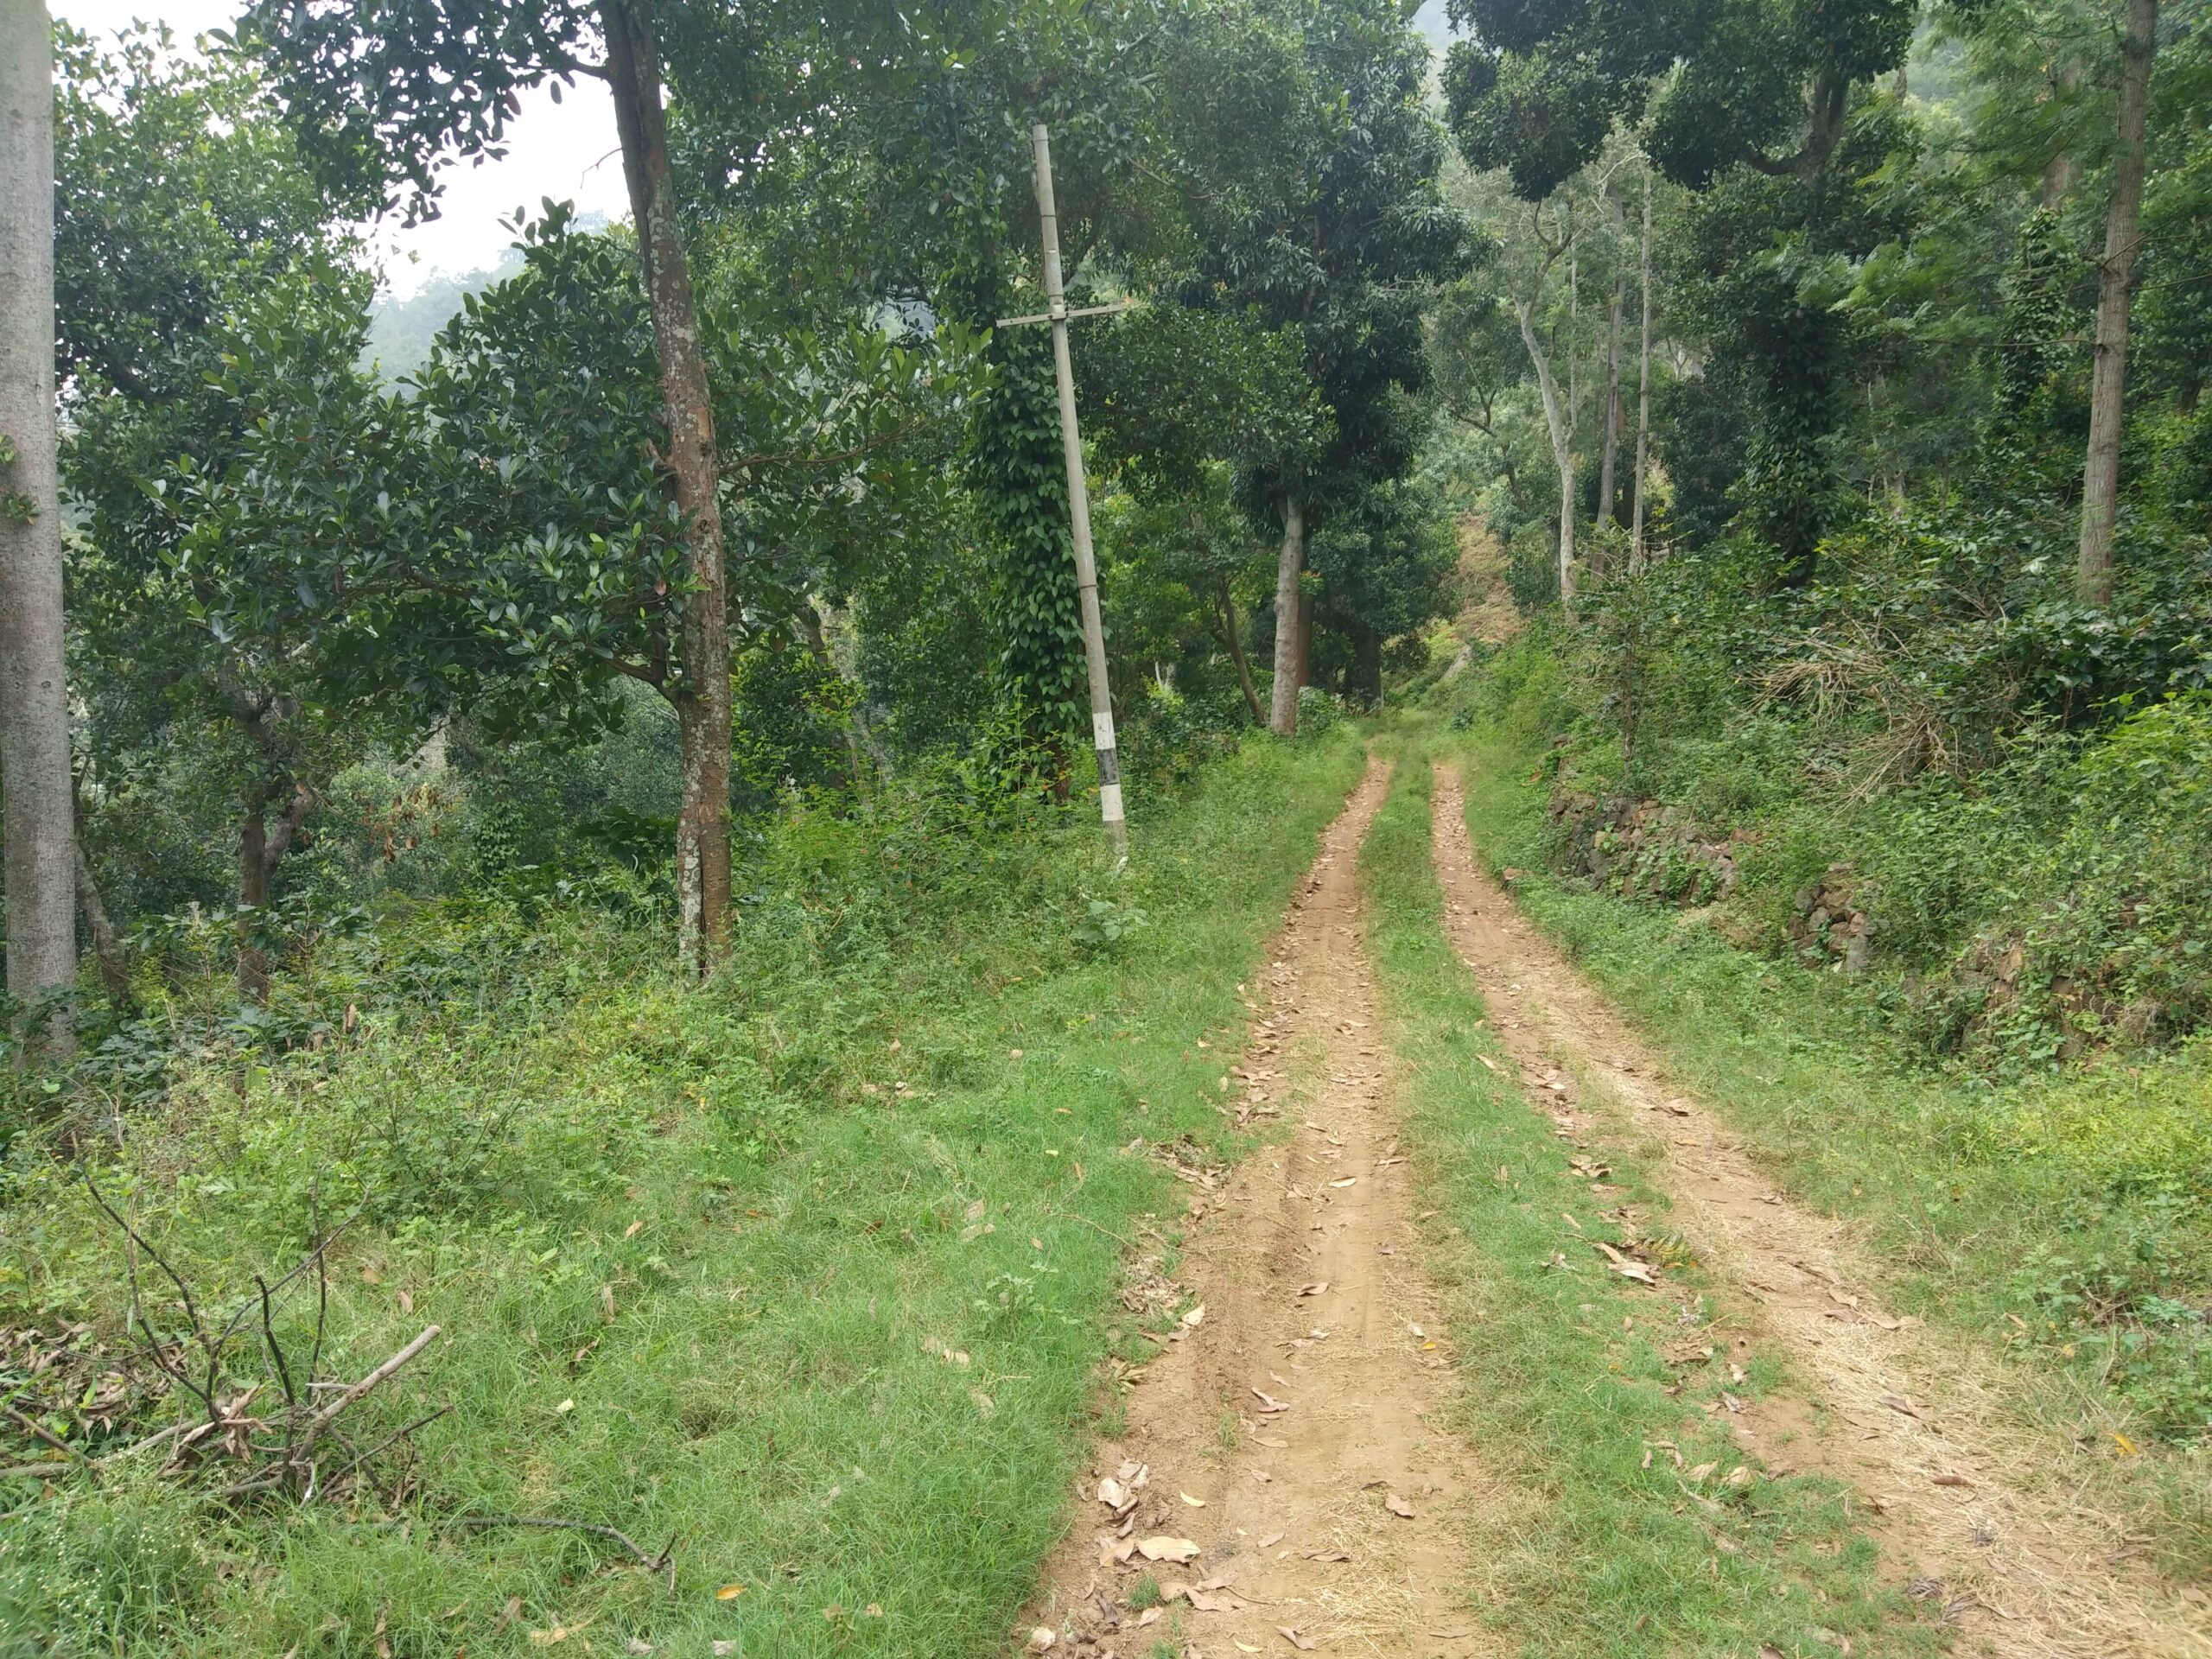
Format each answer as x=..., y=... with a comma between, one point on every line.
x=807, y=1279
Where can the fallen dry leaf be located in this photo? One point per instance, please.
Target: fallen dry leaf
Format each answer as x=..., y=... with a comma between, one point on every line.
x=1196, y=1317
x=1317, y=1288
x=1268, y=1402
x=1487, y=1061
x=1270, y=1541
x=1349, y=1180
x=1399, y=1507
x=1899, y=1402
x=1948, y=1478
x=1161, y=1548
x=1195, y=1503
x=730, y=1592
x=1326, y=1555
x=1271, y=1444
x=1042, y=1639
x=1303, y=1644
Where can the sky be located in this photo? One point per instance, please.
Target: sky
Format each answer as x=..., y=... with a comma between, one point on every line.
x=565, y=151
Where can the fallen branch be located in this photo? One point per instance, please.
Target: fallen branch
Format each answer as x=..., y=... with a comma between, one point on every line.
x=323, y=1419
x=33, y=1426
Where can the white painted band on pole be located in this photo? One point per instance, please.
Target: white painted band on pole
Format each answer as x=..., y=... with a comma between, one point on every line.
x=1102, y=729
x=1109, y=803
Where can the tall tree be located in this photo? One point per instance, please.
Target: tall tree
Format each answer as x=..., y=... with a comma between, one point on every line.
x=34, y=775
x=201, y=289
x=2139, y=45
x=1615, y=416
x=1746, y=102
x=386, y=91
x=1643, y=381
x=1343, y=242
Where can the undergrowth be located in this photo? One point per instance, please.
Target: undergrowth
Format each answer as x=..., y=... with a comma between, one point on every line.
x=810, y=1270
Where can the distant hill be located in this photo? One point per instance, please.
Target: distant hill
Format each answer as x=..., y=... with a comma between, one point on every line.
x=1433, y=23
x=400, y=331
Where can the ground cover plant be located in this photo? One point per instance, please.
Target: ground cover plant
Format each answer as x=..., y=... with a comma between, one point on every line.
x=810, y=1275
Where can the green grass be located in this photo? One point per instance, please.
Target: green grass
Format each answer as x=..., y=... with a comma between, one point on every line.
x=791, y=1243
x=2062, y=1220
x=1593, y=1553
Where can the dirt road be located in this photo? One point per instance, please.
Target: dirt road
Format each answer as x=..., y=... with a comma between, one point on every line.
x=1300, y=1411
x=1910, y=1420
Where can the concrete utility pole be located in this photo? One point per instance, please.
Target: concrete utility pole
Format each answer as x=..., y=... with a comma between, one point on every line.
x=40, y=833
x=1086, y=565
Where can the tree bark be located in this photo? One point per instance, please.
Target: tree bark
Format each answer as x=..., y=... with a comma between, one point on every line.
x=1282, y=696
x=40, y=839
x=702, y=694
x=261, y=849
x=1615, y=418
x=1236, y=655
x=1304, y=637
x=2115, y=285
x=1562, y=454
x=1642, y=383
x=2059, y=175
x=107, y=943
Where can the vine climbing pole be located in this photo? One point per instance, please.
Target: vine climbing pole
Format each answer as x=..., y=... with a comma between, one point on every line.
x=1086, y=564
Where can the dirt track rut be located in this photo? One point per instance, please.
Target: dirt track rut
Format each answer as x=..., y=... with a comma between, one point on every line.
x=1908, y=1419
x=1304, y=1410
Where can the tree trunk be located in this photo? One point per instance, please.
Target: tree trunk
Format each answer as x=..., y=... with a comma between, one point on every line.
x=253, y=892
x=1615, y=418
x=107, y=943
x=261, y=849
x=1562, y=455
x=1282, y=696
x=701, y=696
x=2059, y=176
x=1236, y=655
x=40, y=859
x=818, y=643
x=2115, y=284
x=1642, y=383
x=1304, y=637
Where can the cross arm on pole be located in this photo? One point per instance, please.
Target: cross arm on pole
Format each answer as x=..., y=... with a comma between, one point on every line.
x=1064, y=315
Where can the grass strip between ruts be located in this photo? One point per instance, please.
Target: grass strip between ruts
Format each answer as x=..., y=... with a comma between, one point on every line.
x=1591, y=1547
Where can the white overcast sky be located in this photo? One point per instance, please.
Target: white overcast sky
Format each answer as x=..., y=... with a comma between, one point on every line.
x=563, y=151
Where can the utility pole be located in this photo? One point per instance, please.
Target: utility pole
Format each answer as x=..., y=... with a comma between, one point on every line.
x=1086, y=565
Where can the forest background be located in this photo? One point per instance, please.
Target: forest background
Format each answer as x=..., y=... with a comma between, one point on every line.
x=1774, y=434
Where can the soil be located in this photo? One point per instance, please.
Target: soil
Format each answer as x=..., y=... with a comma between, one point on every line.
x=1303, y=1411
x=1912, y=1419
